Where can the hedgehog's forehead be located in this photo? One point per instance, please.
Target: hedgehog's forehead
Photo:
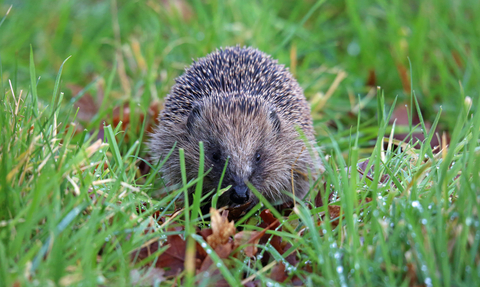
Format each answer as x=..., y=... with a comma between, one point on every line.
x=237, y=122
x=236, y=105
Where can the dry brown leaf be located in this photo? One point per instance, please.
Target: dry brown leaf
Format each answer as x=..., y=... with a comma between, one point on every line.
x=151, y=277
x=222, y=229
x=251, y=238
x=278, y=273
x=173, y=258
x=401, y=118
x=361, y=168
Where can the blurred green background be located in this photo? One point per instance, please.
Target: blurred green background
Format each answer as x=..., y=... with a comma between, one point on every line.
x=150, y=43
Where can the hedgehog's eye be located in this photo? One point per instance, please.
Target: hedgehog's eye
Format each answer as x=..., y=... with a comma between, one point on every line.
x=216, y=156
x=258, y=157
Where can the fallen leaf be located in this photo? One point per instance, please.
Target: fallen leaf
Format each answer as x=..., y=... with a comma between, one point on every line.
x=222, y=229
x=361, y=168
x=401, y=118
x=372, y=79
x=249, y=238
x=172, y=260
x=151, y=277
x=278, y=273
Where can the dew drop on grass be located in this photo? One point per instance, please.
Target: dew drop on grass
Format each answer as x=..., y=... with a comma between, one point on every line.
x=353, y=49
x=428, y=281
x=259, y=256
x=290, y=268
x=416, y=204
x=101, y=280
x=468, y=221
x=339, y=269
x=424, y=221
x=203, y=244
x=219, y=265
x=424, y=268
x=209, y=250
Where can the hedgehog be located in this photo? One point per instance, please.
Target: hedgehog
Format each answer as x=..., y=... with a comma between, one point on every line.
x=247, y=110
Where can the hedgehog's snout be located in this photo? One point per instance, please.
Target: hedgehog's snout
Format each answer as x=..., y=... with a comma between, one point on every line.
x=240, y=194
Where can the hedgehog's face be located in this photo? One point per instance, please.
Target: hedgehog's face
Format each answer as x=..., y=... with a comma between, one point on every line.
x=250, y=135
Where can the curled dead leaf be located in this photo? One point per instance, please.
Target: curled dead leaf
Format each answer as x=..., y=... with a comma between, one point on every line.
x=222, y=229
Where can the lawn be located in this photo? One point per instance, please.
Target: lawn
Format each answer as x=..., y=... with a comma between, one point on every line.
x=393, y=87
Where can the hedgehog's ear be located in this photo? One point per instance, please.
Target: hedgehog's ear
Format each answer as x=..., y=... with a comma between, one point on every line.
x=193, y=117
x=275, y=121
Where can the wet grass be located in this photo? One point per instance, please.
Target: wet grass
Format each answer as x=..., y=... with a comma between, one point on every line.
x=69, y=202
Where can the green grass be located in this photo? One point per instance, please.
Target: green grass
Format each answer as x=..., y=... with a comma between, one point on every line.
x=69, y=203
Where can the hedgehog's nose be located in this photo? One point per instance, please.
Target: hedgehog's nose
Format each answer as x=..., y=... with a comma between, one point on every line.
x=239, y=194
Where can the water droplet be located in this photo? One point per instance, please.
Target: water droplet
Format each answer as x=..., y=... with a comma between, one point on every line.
x=468, y=221
x=416, y=204
x=219, y=265
x=424, y=221
x=340, y=269
x=209, y=251
x=204, y=245
x=353, y=49
x=424, y=268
